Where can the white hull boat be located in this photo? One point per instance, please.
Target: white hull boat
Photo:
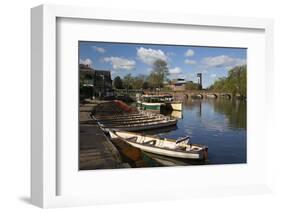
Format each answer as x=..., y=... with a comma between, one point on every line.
x=177, y=106
x=180, y=148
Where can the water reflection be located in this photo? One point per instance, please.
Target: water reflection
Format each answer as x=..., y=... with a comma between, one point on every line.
x=234, y=110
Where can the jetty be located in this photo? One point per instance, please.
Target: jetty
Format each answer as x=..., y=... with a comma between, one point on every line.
x=95, y=149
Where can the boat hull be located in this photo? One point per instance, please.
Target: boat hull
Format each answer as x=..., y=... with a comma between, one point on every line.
x=169, y=153
x=140, y=127
x=199, y=155
x=177, y=114
x=176, y=106
x=151, y=106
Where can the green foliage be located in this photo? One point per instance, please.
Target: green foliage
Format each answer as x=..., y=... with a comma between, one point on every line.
x=192, y=86
x=145, y=85
x=158, y=74
x=118, y=83
x=235, y=82
x=167, y=89
x=128, y=81
x=155, y=80
x=138, y=82
x=86, y=92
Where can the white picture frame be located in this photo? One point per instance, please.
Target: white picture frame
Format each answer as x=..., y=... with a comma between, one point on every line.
x=44, y=154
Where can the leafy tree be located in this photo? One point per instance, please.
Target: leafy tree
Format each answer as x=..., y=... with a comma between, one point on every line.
x=118, y=83
x=235, y=82
x=128, y=81
x=145, y=85
x=138, y=82
x=192, y=86
x=158, y=74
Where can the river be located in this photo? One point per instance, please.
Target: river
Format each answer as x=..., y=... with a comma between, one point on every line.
x=218, y=123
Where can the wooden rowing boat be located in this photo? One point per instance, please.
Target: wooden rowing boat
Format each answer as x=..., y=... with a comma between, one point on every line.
x=124, y=117
x=99, y=116
x=180, y=148
x=146, y=120
x=139, y=126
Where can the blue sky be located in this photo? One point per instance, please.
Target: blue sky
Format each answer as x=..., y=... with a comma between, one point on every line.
x=183, y=61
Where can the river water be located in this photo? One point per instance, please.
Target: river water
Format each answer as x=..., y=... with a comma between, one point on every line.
x=218, y=123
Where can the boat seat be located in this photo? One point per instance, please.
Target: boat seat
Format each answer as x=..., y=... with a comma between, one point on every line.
x=151, y=142
x=134, y=138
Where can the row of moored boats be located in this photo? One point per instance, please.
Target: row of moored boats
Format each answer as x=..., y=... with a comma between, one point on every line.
x=124, y=126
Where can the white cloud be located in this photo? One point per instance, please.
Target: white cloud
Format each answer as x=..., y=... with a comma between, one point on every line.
x=99, y=49
x=175, y=71
x=120, y=63
x=222, y=61
x=188, y=61
x=149, y=56
x=191, y=77
x=189, y=53
x=213, y=76
x=86, y=61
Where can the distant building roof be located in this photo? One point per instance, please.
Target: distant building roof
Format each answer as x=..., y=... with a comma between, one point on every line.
x=105, y=73
x=86, y=69
x=178, y=81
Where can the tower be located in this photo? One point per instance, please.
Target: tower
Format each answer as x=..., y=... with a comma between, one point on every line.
x=199, y=76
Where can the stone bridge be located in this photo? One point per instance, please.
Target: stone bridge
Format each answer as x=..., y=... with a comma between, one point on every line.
x=200, y=94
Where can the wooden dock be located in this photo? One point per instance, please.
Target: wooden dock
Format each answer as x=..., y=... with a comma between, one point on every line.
x=95, y=150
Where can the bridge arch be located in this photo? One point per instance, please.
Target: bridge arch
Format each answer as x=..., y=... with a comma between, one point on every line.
x=197, y=96
x=211, y=95
x=226, y=95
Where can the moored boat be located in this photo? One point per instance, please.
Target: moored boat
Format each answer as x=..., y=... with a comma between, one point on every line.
x=180, y=148
x=138, y=126
x=151, y=106
x=177, y=114
x=155, y=102
x=176, y=106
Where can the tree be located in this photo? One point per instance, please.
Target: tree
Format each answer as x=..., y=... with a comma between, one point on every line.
x=118, y=83
x=235, y=82
x=138, y=81
x=128, y=81
x=158, y=74
x=192, y=86
x=145, y=85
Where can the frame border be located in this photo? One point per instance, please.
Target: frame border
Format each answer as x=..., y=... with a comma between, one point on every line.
x=43, y=86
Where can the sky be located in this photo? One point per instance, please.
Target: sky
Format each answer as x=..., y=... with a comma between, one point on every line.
x=183, y=61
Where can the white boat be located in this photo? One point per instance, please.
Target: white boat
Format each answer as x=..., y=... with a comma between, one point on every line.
x=180, y=148
x=177, y=114
x=176, y=106
x=155, y=102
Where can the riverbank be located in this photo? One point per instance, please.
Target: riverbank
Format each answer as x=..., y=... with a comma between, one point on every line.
x=95, y=150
